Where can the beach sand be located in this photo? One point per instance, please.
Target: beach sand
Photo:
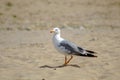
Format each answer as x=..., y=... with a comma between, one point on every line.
x=26, y=49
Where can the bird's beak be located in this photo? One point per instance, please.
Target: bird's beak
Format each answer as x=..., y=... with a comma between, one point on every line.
x=51, y=31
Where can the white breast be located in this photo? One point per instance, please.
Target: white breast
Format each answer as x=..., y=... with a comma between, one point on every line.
x=56, y=41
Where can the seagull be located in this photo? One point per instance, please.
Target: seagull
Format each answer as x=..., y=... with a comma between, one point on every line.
x=68, y=48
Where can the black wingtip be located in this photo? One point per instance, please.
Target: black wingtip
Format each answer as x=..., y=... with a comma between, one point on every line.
x=91, y=52
x=87, y=55
x=90, y=55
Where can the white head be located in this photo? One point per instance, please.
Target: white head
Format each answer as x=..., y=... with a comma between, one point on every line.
x=55, y=30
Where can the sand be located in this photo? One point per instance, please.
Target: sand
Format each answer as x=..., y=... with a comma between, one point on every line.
x=30, y=55
x=26, y=50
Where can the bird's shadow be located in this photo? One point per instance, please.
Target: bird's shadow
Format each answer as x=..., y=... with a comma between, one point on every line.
x=60, y=66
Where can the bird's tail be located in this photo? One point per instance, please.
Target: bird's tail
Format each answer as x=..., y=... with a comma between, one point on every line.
x=88, y=53
x=92, y=52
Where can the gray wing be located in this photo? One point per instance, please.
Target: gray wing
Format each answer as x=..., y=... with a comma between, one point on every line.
x=70, y=47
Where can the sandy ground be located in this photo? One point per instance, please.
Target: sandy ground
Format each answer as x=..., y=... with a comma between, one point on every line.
x=26, y=50
x=30, y=55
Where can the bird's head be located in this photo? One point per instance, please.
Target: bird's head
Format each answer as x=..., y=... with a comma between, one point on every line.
x=55, y=30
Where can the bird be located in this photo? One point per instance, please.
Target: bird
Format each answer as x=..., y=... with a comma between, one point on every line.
x=68, y=48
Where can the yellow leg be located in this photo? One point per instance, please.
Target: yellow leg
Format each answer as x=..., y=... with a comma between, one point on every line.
x=66, y=62
x=69, y=59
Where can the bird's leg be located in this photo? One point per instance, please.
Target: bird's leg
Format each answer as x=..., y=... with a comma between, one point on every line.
x=66, y=62
x=69, y=59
